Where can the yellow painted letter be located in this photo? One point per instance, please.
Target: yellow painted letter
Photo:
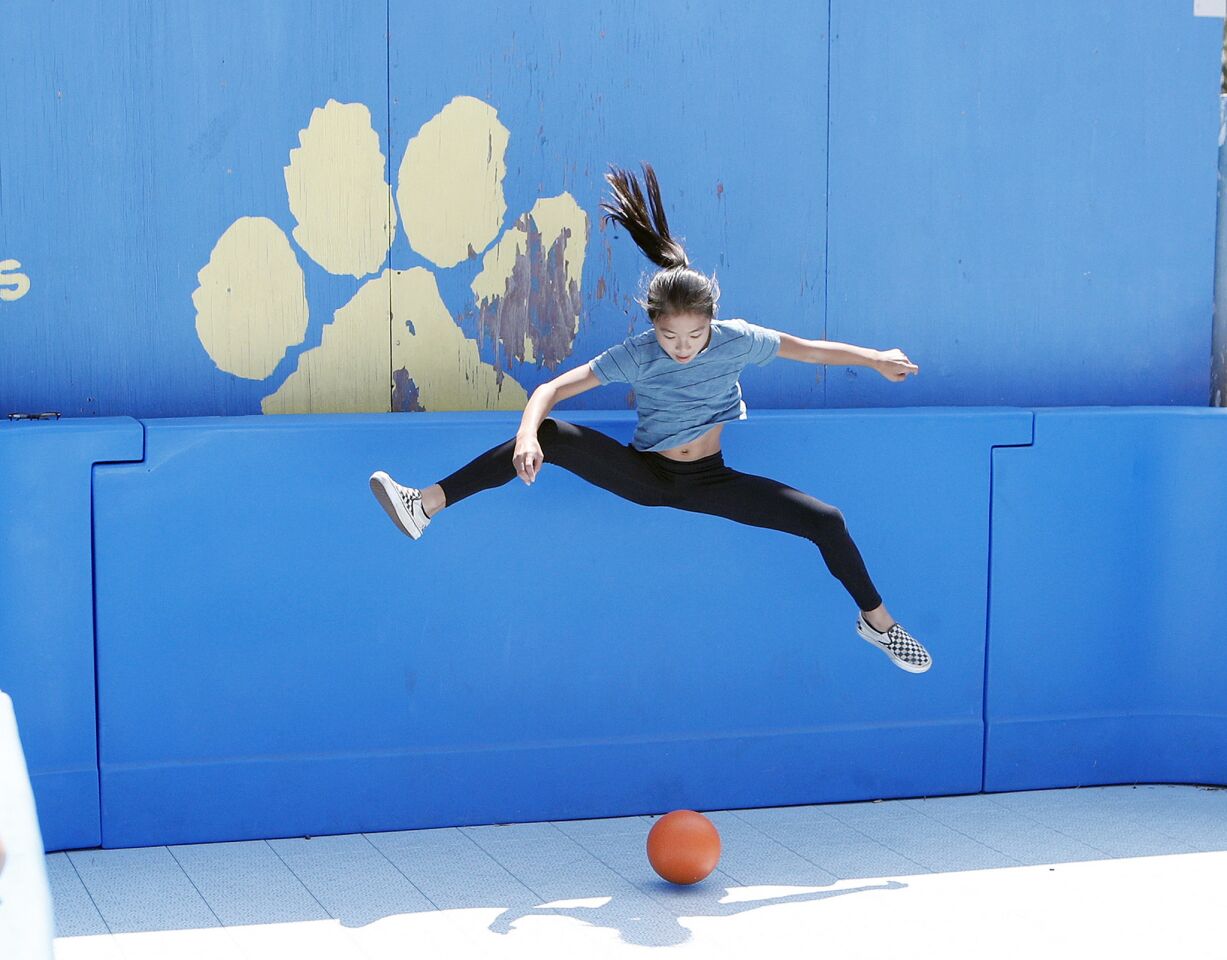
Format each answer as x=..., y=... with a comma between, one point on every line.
x=13, y=286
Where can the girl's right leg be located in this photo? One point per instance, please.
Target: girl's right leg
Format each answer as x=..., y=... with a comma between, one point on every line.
x=588, y=453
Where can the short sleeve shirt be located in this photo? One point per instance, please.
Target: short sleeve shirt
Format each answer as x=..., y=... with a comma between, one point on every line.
x=679, y=402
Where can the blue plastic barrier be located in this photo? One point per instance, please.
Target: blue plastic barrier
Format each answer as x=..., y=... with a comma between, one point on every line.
x=1109, y=582
x=47, y=610
x=275, y=659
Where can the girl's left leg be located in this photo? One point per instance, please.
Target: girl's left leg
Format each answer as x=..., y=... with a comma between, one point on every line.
x=764, y=502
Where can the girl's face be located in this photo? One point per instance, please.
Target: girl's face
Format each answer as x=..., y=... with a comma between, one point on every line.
x=682, y=335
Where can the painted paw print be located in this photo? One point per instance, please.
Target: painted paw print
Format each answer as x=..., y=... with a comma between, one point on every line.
x=394, y=345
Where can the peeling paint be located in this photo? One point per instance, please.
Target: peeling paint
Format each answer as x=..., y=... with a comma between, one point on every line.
x=528, y=292
x=443, y=364
x=405, y=393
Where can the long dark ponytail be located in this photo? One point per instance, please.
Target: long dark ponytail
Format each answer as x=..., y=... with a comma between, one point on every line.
x=676, y=288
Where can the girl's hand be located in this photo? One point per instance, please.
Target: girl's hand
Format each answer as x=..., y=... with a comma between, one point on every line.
x=527, y=458
x=894, y=364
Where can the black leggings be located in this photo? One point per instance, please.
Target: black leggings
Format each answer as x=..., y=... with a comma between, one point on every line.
x=700, y=486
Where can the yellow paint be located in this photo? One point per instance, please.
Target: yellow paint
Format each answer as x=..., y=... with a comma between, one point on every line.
x=551, y=215
x=450, y=182
x=444, y=364
x=338, y=192
x=18, y=282
x=499, y=261
x=351, y=370
x=251, y=303
x=348, y=372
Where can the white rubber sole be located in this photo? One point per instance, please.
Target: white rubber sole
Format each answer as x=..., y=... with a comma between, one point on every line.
x=385, y=492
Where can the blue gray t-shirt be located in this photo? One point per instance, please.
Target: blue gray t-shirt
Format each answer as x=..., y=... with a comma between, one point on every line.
x=679, y=402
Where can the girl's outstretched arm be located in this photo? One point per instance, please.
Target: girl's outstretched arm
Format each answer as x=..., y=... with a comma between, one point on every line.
x=892, y=364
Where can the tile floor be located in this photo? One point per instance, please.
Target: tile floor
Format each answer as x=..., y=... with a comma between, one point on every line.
x=1118, y=871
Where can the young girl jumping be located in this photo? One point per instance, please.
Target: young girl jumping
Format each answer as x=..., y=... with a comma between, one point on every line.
x=685, y=377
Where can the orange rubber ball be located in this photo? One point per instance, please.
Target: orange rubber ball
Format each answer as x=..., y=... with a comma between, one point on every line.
x=683, y=846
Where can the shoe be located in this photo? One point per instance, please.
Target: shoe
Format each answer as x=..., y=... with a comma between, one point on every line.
x=402, y=504
x=897, y=644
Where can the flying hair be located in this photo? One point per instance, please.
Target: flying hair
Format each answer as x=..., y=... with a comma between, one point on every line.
x=676, y=288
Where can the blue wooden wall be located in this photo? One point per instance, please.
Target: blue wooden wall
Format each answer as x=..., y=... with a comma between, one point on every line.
x=1020, y=196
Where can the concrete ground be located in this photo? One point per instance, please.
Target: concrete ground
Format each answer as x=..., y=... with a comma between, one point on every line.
x=1123, y=871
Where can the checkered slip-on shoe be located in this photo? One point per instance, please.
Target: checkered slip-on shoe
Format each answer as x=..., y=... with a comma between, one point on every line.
x=897, y=644
x=402, y=504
